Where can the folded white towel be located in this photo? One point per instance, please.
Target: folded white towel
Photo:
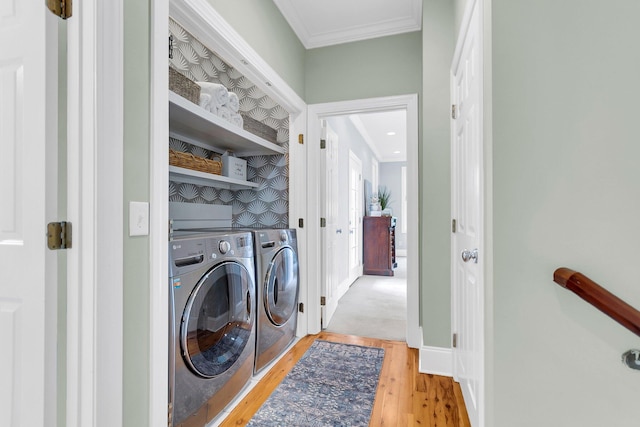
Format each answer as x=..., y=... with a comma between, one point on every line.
x=205, y=101
x=219, y=94
x=224, y=113
x=237, y=120
x=234, y=102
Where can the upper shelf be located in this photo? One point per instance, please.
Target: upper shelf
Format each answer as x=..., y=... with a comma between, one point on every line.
x=194, y=123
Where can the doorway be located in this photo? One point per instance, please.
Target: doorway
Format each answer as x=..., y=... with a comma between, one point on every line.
x=318, y=112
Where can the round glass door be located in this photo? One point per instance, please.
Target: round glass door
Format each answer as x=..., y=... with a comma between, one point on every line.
x=216, y=323
x=281, y=287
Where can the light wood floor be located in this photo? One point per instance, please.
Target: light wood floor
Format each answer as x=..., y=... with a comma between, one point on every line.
x=405, y=397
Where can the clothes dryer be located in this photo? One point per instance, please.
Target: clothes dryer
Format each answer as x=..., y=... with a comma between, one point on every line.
x=277, y=282
x=211, y=323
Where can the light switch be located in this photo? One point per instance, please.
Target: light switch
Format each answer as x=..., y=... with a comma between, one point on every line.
x=138, y=219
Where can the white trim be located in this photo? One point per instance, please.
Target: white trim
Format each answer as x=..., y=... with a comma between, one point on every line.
x=159, y=218
x=95, y=177
x=436, y=361
x=363, y=32
x=203, y=22
x=320, y=111
x=401, y=252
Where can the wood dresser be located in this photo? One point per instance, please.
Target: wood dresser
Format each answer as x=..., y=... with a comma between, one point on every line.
x=379, y=245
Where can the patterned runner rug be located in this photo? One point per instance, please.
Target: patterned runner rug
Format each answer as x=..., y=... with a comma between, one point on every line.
x=331, y=385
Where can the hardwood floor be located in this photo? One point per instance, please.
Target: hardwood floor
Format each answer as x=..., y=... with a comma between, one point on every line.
x=405, y=397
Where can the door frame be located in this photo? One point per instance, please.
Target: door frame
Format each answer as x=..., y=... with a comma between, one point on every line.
x=485, y=247
x=356, y=271
x=94, y=347
x=205, y=23
x=324, y=110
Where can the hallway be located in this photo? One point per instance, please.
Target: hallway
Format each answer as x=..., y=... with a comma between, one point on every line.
x=374, y=307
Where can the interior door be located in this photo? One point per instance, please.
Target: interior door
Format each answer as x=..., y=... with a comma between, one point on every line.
x=355, y=217
x=467, y=236
x=28, y=177
x=332, y=232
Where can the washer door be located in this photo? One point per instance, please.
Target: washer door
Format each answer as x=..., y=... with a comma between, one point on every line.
x=281, y=287
x=217, y=322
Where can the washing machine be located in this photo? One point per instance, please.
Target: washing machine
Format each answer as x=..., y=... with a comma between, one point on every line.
x=277, y=283
x=212, y=323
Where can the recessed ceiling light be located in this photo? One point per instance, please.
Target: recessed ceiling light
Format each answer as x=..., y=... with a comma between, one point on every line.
x=391, y=133
x=396, y=152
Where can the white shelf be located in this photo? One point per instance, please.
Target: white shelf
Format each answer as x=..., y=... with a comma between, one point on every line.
x=189, y=176
x=195, y=124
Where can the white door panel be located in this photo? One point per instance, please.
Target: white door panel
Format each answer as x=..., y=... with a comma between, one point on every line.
x=28, y=55
x=355, y=217
x=467, y=193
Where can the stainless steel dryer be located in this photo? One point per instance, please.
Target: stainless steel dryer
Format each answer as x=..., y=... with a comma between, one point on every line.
x=277, y=293
x=211, y=323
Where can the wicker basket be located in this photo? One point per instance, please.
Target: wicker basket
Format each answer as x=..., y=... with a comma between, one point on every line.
x=183, y=86
x=189, y=161
x=260, y=129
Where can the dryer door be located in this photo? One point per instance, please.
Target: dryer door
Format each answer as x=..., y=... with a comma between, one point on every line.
x=217, y=321
x=281, y=287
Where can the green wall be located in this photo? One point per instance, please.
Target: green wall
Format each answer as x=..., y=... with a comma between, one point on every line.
x=565, y=170
x=262, y=25
x=435, y=173
x=136, y=187
x=366, y=69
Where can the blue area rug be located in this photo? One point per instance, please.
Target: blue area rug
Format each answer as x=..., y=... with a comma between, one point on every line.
x=331, y=385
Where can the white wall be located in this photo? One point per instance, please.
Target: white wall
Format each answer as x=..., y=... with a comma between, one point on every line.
x=391, y=177
x=566, y=193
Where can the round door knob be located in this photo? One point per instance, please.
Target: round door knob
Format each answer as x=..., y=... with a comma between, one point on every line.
x=468, y=255
x=224, y=246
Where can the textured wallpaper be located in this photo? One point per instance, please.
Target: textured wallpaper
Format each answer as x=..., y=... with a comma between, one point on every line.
x=268, y=205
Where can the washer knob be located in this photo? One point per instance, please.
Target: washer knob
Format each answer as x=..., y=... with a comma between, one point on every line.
x=224, y=246
x=283, y=236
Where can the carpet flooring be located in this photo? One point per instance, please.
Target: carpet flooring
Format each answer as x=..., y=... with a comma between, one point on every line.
x=374, y=307
x=333, y=384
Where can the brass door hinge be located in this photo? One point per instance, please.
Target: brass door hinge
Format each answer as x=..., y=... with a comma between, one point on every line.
x=323, y=144
x=454, y=111
x=323, y=301
x=454, y=341
x=301, y=307
x=454, y=225
x=323, y=222
x=59, y=235
x=61, y=8
x=300, y=138
x=300, y=223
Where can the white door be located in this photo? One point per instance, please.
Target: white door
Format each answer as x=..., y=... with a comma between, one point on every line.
x=355, y=217
x=332, y=232
x=28, y=176
x=467, y=240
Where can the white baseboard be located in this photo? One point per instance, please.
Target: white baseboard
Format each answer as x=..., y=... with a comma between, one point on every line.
x=436, y=360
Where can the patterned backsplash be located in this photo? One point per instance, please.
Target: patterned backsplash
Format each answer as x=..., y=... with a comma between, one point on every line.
x=268, y=205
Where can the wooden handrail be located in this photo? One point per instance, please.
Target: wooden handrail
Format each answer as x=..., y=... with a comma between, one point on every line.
x=599, y=297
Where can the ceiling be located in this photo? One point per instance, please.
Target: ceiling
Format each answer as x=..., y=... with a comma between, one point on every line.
x=320, y=23
x=385, y=133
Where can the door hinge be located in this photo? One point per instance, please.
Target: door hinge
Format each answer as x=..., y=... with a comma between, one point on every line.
x=60, y=8
x=300, y=138
x=170, y=414
x=454, y=341
x=323, y=301
x=323, y=144
x=300, y=223
x=323, y=222
x=170, y=46
x=59, y=235
x=454, y=111
x=454, y=225
x=301, y=307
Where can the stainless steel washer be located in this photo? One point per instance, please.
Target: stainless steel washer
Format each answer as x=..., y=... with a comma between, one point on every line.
x=211, y=323
x=277, y=293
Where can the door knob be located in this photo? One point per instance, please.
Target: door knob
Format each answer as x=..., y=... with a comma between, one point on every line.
x=470, y=255
x=339, y=231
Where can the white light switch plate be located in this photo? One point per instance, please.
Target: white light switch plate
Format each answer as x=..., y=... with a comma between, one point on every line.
x=138, y=219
